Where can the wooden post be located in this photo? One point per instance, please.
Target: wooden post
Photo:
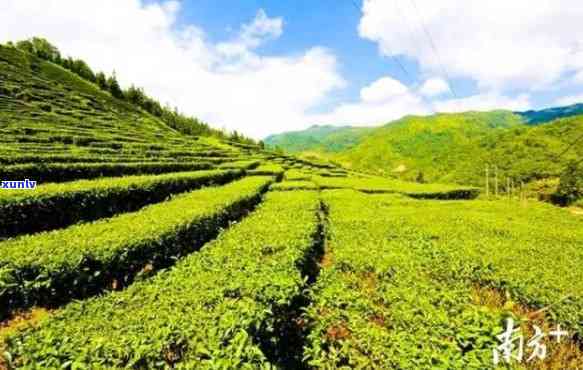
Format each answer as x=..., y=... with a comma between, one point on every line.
x=487, y=181
x=508, y=188
x=496, y=181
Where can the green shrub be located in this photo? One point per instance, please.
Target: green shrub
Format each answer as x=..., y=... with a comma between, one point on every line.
x=59, y=172
x=570, y=185
x=220, y=308
x=425, y=284
x=294, y=185
x=53, y=267
x=54, y=206
x=383, y=185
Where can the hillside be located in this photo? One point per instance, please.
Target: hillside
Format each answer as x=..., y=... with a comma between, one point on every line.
x=318, y=138
x=458, y=147
x=328, y=138
x=427, y=145
x=140, y=246
x=535, y=117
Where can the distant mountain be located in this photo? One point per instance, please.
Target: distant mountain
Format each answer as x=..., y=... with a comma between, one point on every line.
x=458, y=147
x=325, y=138
x=451, y=147
x=431, y=146
x=535, y=117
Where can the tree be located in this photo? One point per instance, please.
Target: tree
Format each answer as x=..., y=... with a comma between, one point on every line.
x=45, y=49
x=114, y=88
x=67, y=63
x=40, y=47
x=83, y=70
x=101, y=81
x=570, y=185
x=135, y=96
x=25, y=45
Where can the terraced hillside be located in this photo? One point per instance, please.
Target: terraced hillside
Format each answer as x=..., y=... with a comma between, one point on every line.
x=141, y=247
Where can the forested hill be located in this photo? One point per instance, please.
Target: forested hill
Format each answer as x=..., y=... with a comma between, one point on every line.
x=458, y=147
x=325, y=138
x=535, y=117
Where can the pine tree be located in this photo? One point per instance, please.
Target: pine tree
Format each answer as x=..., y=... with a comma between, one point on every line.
x=114, y=88
x=135, y=96
x=101, y=81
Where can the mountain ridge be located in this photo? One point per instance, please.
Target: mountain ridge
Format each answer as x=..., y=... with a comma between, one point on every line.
x=450, y=146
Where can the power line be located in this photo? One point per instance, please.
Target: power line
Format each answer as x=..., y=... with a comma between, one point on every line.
x=398, y=62
x=570, y=146
x=391, y=55
x=410, y=28
x=443, y=70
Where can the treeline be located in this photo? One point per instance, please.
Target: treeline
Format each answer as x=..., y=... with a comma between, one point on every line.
x=134, y=95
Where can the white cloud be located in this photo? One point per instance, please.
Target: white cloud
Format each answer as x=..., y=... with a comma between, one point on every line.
x=227, y=84
x=500, y=44
x=484, y=102
x=384, y=100
x=252, y=35
x=383, y=89
x=434, y=87
x=569, y=100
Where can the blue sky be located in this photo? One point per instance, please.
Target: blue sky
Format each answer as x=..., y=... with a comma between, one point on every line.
x=334, y=24
x=329, y=23
x=266, y=66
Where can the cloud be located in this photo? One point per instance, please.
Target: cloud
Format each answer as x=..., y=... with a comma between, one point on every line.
x=384, y=100
x=434, y=87
x=383, y=89
x=501, y=45
x=569, y=100
x=484, y=102
x=228, y=84
x=252, y=35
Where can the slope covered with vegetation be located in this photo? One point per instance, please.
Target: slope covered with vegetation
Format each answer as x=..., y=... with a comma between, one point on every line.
x=459, y=148
x=319, y=138
x=427, y=145
x=536, y=117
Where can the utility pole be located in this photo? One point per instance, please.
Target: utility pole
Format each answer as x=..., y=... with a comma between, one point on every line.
x=487, y=181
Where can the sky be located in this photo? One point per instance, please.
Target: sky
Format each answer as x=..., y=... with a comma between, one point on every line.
x=267, y=66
